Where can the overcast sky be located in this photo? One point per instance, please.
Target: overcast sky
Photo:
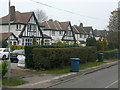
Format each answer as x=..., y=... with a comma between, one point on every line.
x=93, y=13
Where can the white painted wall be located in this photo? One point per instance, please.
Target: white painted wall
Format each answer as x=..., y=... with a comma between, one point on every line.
x=13, y=29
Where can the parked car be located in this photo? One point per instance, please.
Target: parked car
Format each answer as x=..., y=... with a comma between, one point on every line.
x=4, y=53
x=15, y=53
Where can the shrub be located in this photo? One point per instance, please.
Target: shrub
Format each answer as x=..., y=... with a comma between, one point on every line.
x=101, y=44
x=14, y=47
x=111, y=54
x=50, y=58
x=91, y=41
x=3, y=68
x=92, y=54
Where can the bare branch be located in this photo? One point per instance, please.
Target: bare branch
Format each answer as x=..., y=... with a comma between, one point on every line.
x=41, y=15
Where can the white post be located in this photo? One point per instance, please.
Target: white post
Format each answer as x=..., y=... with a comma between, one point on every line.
x=9, y=62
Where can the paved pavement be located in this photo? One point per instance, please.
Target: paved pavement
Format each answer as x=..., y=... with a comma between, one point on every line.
x=106, y=78
x=48, y=80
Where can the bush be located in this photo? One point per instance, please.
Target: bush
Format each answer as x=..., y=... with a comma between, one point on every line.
x=101, y=44
x=91, y=41
x=92, y=54
x=3, y=68
x=111, y=54
x=14, y=47
x=29, y=52
x=50, y=58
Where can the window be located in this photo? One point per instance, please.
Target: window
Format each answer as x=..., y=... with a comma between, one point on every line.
x=14, y=43
x=6, y=50
x=53, y=33
x=80, y=35
x=18, y=26
x=84, y=36
x=22, y=41
x=34, y=27
x=28, y=41
x=10, y=42
x=47, y=42
x=69, y=33
x=60, y=33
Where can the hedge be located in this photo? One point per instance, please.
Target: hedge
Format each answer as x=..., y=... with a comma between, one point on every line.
x=29, y=54
x=111, y=54
x=14, y=47
x=49, y=58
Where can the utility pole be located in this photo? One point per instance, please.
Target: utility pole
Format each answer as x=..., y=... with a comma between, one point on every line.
x=9, y=62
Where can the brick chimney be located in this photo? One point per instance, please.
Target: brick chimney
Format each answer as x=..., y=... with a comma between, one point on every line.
x=50, y=19
x=12, y=13
x=81, y=25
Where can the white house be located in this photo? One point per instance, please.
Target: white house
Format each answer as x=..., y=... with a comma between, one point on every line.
x=59, y=31
x=24, y=26
x=82, y=33
x=100, y=34
x=5, y=37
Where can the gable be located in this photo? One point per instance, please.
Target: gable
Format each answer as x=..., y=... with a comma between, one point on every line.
x=32, y=28
x=5, y=36
x=69, y=34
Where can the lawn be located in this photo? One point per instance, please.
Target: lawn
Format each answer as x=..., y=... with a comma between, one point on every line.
x=67, y=69
x=112, y=59
x=12, y=81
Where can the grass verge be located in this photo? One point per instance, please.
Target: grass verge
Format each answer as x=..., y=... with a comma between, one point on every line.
x=12, y=81
x=67, y=69
x=112, y=59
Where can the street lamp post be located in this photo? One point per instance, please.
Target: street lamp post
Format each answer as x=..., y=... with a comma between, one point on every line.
x=9, y=62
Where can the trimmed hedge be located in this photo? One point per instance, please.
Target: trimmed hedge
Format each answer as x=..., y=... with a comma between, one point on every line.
x=50, y=58
x=29, y=52
x=111, y=54
x=14, y=47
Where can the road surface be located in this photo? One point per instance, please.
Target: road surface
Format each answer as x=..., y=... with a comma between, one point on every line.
x=106, y=78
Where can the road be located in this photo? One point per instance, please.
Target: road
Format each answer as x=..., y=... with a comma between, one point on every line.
x=106, y=78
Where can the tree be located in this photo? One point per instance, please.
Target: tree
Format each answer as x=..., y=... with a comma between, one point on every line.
x=99, y=44
x=104, y=44
x=91, y=41
x=40, y=15
x=3, y=44
x=113, y=21
x=113, y=38
x=114, y=29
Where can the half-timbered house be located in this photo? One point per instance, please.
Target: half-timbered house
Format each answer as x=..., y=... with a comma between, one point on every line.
x=59, y=31
x=5, y=37
x=24, y=26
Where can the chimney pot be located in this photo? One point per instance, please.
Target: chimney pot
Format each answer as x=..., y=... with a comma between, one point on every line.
x=81, y=25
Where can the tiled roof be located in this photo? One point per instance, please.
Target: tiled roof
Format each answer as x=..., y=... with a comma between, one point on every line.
x=55, y=25
x=5, y=36
x=78, y=29
x=88, y=29
x=100, y=33
x=19, y=17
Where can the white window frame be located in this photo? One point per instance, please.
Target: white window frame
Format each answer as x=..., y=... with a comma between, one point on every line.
x=53, y=33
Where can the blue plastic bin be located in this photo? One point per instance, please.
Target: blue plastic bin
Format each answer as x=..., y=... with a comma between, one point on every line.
x=100, y=57
x=118, y=55
x=75, y=63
